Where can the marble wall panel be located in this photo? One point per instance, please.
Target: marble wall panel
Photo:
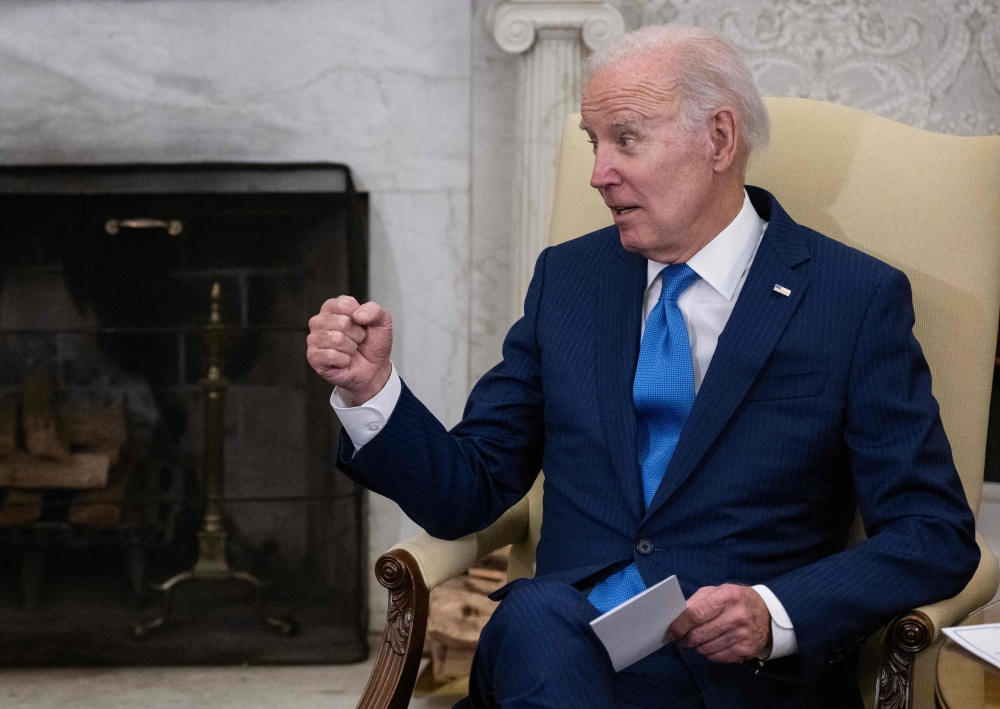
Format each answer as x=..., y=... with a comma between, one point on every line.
x=381, y=85
x=494, y=95
x=420, y=249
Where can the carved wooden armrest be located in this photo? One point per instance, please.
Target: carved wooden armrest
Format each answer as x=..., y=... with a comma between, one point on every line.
x=911, y=633
x=905, y=637
x=391, y=682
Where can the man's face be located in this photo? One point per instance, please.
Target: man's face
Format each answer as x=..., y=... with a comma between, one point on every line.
x=655, y=176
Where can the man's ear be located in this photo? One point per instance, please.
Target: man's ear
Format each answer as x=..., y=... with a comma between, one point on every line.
x=725, y=143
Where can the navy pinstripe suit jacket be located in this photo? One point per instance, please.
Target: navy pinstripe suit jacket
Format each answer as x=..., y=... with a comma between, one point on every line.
x=814, y=404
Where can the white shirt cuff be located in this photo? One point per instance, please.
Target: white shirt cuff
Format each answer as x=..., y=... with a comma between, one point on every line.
x=362, y=423
x=783, y=641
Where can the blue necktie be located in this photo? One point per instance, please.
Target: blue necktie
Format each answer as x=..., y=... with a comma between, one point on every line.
x=663, y=394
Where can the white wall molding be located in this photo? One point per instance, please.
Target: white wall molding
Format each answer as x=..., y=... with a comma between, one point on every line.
x=552, y=37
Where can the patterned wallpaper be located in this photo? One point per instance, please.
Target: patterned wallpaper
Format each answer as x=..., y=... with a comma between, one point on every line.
x=934, y=64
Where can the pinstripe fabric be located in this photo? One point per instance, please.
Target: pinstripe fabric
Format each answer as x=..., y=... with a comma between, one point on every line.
x=663, y=393
x=533, y=650
x=815, y=404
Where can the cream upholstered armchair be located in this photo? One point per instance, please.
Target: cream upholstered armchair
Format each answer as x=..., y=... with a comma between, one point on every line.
x=927, y=203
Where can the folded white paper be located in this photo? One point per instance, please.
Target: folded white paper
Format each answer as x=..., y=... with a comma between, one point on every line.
x=981, y=640
x=638, y=627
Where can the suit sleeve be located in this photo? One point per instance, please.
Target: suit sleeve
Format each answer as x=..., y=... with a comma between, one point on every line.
x=458, y=482
x=921, y=544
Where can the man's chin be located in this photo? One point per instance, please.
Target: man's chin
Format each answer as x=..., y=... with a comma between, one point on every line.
x=630, y=240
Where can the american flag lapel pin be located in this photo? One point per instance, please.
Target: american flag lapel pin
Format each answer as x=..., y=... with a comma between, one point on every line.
x=781, y=289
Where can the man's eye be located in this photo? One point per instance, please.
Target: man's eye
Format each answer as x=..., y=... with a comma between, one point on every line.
x=625, y=141
x=593, y=144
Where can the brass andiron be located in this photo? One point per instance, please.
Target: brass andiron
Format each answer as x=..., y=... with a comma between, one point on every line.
x=212, y=564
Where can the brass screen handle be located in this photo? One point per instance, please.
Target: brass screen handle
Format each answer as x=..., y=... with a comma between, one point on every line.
x=173, y=227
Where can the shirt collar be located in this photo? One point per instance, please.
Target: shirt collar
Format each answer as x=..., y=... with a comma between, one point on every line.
x=722, y=261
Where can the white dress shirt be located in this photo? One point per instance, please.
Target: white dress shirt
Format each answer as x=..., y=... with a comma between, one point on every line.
x=706, y=305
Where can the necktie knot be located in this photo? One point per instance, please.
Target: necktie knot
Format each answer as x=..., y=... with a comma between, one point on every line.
x=676, y=278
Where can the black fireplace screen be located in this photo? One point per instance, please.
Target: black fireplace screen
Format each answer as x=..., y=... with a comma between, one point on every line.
x=106, y=297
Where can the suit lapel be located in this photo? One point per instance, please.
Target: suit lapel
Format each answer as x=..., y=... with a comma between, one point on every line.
x=619, y=315
x=756, y=323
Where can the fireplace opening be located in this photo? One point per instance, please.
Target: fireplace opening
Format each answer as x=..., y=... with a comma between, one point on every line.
x=109, y=277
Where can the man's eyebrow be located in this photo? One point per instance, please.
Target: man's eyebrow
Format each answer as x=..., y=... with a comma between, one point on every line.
x=627, y=122
x=622, y=122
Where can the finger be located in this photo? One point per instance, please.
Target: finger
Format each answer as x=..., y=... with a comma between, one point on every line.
x=735, y=639
x=342, y=305
x=702, y=606
x=328, y=359
x=728, y=620
x=332, y=340
x=685, y=621
x=346, y=325
x=369, y=314
x=337, y=322
x=730, y=655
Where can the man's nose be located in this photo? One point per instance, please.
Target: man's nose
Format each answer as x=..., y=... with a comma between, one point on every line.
x=604, y=174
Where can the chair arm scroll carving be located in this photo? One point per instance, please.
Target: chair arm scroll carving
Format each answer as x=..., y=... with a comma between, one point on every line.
x=906, y=636
x=391, y=682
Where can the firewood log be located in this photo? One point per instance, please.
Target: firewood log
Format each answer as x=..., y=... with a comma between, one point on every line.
x=95, y=430
x=84, y=471
x=43, y=434
x=103, y=509
x=20, y=507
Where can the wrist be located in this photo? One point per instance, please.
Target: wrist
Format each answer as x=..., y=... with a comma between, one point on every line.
x=360, y=395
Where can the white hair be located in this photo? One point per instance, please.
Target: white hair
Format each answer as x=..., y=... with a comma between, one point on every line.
x=708, y=74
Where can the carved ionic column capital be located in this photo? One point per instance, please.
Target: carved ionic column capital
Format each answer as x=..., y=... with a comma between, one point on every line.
x=516, y=23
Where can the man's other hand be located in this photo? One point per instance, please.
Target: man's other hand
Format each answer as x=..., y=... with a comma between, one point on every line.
x=349, y=346
x=726, y=623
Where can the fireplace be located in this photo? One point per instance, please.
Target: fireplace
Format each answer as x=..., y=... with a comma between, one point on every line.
x=109, y=278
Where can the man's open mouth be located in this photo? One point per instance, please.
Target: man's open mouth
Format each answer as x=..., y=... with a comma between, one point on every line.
x=623, y=210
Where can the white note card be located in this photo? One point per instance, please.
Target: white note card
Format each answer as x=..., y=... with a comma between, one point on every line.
x=981, y=640
x=638, y=627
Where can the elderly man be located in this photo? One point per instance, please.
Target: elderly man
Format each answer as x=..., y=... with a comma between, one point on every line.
x=712, y=391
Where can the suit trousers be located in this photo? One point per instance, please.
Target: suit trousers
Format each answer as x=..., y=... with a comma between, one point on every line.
x=538, y=651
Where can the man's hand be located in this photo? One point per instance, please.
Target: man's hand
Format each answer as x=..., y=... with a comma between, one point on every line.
x=726, y=623
x=349, y=346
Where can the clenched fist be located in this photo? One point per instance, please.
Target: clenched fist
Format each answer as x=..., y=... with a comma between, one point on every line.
x=349, y=346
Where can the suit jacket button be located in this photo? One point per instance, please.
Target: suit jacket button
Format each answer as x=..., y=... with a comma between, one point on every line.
x=644, y=547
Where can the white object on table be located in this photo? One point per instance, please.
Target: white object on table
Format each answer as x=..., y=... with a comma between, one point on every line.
x=982, y=641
